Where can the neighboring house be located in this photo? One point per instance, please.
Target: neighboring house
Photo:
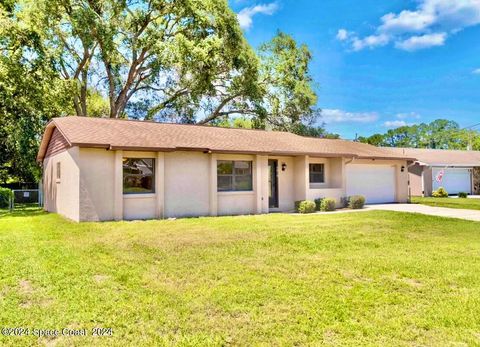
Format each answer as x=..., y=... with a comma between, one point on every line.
x=97, y=169
x=456, y=171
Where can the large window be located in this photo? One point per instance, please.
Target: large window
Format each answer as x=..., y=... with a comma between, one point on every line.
x=138, y=176
x=234, y=175
x=317, y=173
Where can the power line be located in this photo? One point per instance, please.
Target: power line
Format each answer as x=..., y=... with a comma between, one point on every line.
x=472, y=126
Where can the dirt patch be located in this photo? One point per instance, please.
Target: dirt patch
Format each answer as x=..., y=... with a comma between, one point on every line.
x=25, y=287
x=100, y=278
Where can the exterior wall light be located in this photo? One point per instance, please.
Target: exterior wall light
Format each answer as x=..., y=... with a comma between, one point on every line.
x=284, y=166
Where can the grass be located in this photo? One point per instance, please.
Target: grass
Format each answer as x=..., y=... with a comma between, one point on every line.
x=468, y=204
x=366, y=278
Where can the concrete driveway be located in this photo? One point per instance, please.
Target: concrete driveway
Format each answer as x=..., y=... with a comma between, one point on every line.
x=429, y=210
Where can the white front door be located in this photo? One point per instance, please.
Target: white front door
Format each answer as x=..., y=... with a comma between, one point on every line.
x=454, y=180
x=375, y=182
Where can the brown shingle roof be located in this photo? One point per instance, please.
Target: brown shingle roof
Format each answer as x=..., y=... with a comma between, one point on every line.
x=445, y=157
x=141, y=135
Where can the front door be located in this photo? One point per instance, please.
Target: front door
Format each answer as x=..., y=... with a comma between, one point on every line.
x=273, y=183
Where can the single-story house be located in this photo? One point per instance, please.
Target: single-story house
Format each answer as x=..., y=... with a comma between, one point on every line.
x=97, y=169
x=456, y=171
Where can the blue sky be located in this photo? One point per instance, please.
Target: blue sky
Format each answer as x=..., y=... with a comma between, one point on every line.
x=381, y=64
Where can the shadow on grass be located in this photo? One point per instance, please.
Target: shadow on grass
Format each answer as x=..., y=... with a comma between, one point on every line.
x=23, y=210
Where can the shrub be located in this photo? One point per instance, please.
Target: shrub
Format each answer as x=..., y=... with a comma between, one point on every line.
x=440, y=193
x=327, y=204
x=463, y=195
x=344, y=201
x=5, y=196
x=306, y=206
x=318, y=203
x=356, y=202
x=297, y=205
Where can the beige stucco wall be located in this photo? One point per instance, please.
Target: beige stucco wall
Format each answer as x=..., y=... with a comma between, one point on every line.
x=416, y=179
x=62, y=195
x=91, y=187
x=187, y=179
x=428, y=181
x=249, y=202
x=96, y=184
x=301, y=184
x=333, y=186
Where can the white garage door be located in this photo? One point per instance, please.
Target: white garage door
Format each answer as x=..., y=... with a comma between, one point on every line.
x=454, y=180
x=375, y=182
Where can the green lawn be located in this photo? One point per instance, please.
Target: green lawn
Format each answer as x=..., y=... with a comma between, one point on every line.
x=469, y=204
x=367, y=278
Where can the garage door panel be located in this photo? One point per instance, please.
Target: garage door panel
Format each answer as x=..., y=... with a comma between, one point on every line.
x=454, y=180
x=375, y=182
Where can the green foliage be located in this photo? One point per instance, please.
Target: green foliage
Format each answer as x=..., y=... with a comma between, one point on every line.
x=288, y=97
x=356, y=202
x=5, y=197
x=440, y=193
x=306, y=206
x=327, y=204
x=237, y=122
x=186, y=61
x=312, y=131
x=439, y=134
x=463, y=195
x=30, y=94
x=318, y=202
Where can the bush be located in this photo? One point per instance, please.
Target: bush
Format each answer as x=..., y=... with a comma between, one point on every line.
x=463, y=195
x=440, y=193
x=306, y=206
x=318, y=203
x=356, y=202
x=328, y=204
x=297, y=205
x=344, y=201
x=5, y=196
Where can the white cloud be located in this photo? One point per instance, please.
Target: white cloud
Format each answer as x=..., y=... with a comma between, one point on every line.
x=395, y=123
x=245, y=16
x=370, y=41
x=340, y=116
x=342, y=35
x=476, y=71
x=415, y=43
x=428, y=25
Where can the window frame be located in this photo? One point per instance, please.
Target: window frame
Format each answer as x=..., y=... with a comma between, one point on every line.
x=153, y=190
x=310, y=172
x=233, y=176
x=58, y=171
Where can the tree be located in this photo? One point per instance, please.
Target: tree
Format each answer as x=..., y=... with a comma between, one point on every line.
x=289, y=98
x=30, y=94
x=439, y=134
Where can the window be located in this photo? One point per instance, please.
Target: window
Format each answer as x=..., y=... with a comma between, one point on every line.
x=317, y=173
x=138, y=176
x=59, y=173
x=234, y=175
